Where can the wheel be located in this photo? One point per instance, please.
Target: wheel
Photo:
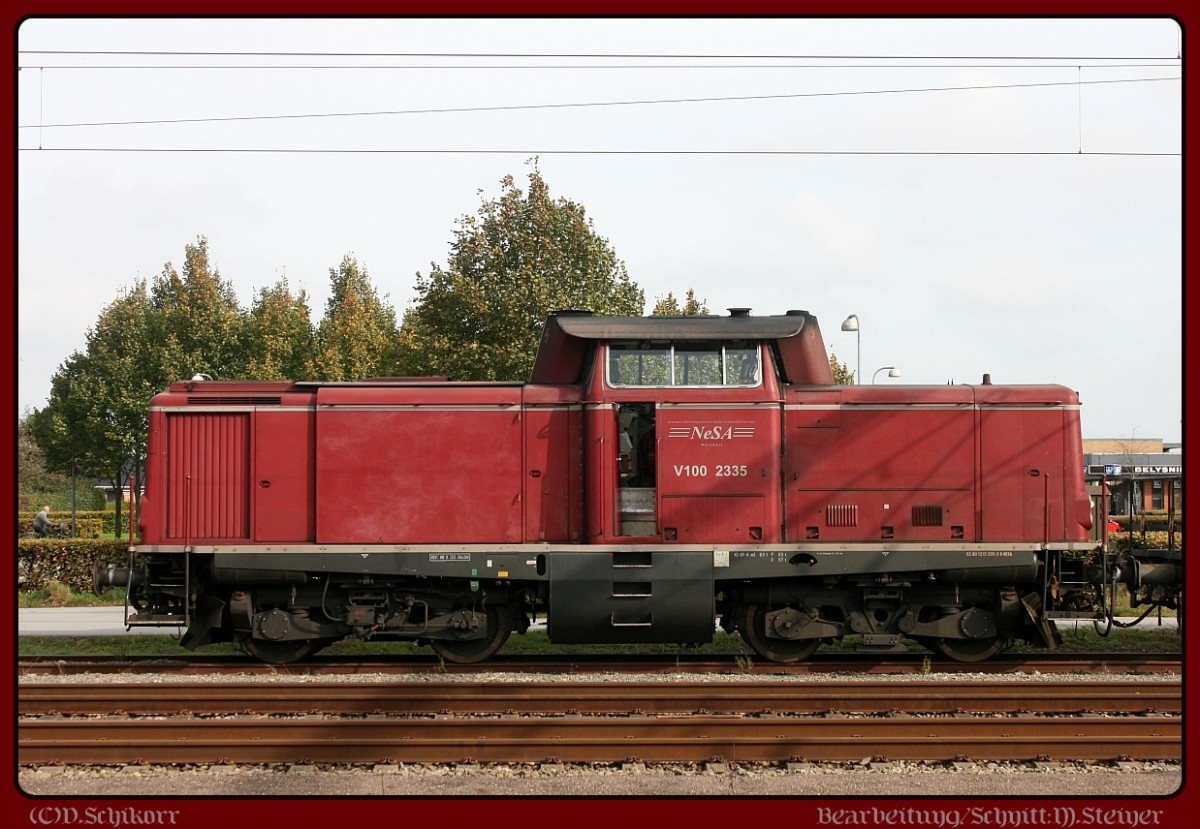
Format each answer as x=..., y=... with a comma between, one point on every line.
x=466, y=651
x=754, y=631
x=281, y=653
x=965, y=650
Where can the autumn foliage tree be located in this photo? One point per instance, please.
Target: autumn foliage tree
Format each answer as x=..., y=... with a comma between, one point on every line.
x=279, y=334
x=356, y=337
x=522, y=257
x=842, y=375
x=197, y=322
x=668, y=306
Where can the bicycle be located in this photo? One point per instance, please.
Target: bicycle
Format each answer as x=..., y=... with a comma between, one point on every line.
x=57, y=530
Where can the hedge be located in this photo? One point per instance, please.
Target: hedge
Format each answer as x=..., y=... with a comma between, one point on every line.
x=1149, y=520
x=65, y=560
x=1156, y=540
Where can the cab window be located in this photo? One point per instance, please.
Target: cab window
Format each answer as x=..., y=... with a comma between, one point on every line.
x=693, y=363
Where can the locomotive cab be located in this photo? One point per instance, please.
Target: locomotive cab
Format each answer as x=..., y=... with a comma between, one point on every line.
x=677, y=430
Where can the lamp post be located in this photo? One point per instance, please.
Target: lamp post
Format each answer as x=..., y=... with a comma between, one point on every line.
x=850, y=323
x=74, y=475
x=891, y=370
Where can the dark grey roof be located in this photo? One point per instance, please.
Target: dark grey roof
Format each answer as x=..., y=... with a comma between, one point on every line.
x=683, y=328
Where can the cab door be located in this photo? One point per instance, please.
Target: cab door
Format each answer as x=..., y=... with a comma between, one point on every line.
x=719, y=473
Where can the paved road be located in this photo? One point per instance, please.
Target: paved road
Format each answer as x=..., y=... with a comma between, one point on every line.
x=110, y=621
x=80, y=621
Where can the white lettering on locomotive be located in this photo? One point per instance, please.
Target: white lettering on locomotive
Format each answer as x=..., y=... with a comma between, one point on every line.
x=711, y=432
x=723, y=470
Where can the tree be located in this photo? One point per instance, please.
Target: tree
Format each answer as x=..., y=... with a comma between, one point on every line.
x=197, y=319
x=668, y=306
x=356, y=337
x=279, y=335
x=97, y=415
x=842, y=375
x=521, y=258
x=35, y=482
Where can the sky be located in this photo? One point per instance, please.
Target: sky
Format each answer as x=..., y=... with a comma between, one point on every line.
x=987, y=196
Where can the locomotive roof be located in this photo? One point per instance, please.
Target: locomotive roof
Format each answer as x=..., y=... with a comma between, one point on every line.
x=683, y=328
x=568, y=337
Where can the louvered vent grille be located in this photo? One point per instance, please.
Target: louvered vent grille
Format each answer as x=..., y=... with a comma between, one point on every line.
x=841, y=515
x=234, y=401
x=927, y=515
x=208, y=471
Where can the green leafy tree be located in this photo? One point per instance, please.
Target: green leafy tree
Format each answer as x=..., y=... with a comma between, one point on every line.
x=668, y=306
x=522, y=257
x=357, y=336
x=279, y=341
x=842, y=375
x=96, y=417
x=197, y=319
x=36, y=483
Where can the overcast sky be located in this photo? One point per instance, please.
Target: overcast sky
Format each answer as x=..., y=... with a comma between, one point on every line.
x=987, y=196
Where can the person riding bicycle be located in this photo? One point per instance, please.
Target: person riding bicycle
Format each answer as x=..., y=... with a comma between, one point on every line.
x=42, y=525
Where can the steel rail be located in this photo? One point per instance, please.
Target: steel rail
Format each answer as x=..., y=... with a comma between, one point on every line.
x=386, y=740
x=868, y=664
x=729, y=696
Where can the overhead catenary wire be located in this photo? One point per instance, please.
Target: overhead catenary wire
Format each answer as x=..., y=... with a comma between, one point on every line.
x=536, y=152
x=772, y=61
x=1167, y=63
x=590, y=104
x=573, y=55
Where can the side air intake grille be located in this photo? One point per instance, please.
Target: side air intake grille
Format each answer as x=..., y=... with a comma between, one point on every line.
x=927, y=515
x=841, y=515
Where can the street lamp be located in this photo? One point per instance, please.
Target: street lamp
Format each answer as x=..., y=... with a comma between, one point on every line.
x=74, y=475
x=850, y=323
x=891, y=370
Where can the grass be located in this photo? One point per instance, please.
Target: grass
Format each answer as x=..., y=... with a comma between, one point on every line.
x=57, y=594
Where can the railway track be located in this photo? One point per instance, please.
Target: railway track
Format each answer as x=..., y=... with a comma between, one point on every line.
x=591, y=739
x=859, y=664
x=560, y=698
x=388, y=723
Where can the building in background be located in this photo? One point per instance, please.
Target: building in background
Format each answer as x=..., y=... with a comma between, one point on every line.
x=1144, y=475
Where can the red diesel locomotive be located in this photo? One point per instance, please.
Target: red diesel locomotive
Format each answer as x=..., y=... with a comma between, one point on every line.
x=654, y=475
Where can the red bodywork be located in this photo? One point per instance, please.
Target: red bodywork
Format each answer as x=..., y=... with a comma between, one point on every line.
x=973, y=463
x=421, y=462
x=393, y=463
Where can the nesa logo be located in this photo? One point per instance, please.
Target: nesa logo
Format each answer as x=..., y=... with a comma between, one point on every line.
x=711, y=432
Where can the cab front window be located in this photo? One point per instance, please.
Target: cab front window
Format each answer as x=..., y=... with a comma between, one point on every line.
x=692, y=363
